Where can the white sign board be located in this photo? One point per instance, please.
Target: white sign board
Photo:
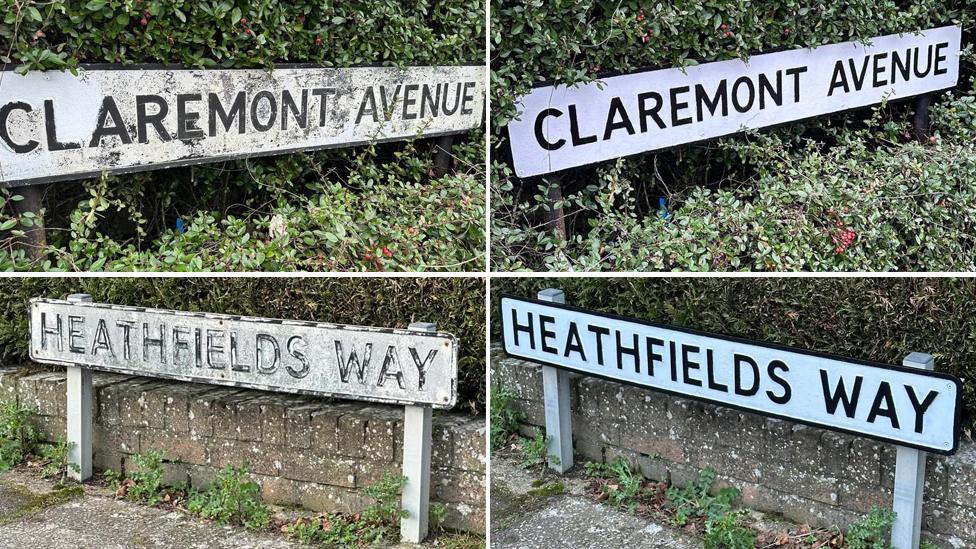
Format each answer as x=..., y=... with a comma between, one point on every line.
x=362, y=363
x=905, y=406
x=54, y=125
x=563, y=127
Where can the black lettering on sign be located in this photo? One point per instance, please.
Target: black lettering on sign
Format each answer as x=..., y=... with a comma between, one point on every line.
x=109, y=110
x=839, y=394
x=148, y=342
x=422, y=365
x=526, y=328
x=391, y=368
x=449, y=111
x=467, y=99
x=75, y=333
x=430, y=101
x=774, y=366
x=540, y=137
x=409, y=101
x=652, y=112
x=888, y=410
x=272, y=111
x=19, y=148
x=687, y=365
x=795, y=72
x=633, y=351
x=288, y=105
x=710, y=369
x=101, y=340
x=920, y=407
x=677, y=106
x=389, y=103
x=51, y=130
x=186, y=121
x=215, y=346
x=353, y=363
x=600, y=331
x=226, y=118
x=750, y=94
x=616, y=107
x=574, y=129
x=47, y=330
x=235, y=363
x=144, y=119
x=712, y=103
x=544, y=322
x=737, y=362
x=296, y=348
x=653, y=357
x=323, y=94
x=371, y=110
x=259, y=351
x=939, y=58
x=181, y=344
x=126, y=326
x=573, y=342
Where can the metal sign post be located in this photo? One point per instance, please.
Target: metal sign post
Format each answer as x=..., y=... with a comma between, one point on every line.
x=559, y=418
x=909, y=478
x=79, y=414
x=415, y=499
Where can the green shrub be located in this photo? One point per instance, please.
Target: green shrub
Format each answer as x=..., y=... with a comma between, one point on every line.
x=376, y=524
x=327, y=210
x=56, y=456
x=722, y=524
x=232, y=498
x=505, y=418
x=534, y=450
x=18, y=436
x=457, y=305
x=627, y=483
x=879, y=319
x=844, y=192
x=144, y=482
x=871, y=532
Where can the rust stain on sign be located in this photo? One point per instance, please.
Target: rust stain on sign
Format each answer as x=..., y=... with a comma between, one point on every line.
x=55, y=125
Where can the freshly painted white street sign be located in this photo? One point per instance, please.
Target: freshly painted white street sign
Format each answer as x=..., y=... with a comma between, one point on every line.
x=563, y=127
x=909, y=407
x=373, y=364
x=54, y=125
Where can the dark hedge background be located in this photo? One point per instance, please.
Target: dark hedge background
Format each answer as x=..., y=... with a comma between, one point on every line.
x=457, y=305
x=880, y=319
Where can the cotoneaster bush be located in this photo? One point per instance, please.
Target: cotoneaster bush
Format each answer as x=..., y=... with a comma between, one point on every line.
x=881, y=319
x=364, y=208
x=456, y=305
x=771, y=200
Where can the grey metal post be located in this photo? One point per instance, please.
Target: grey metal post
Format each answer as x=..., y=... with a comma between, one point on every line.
x=559, y=419
x=909, y=479
x=79, y=414
x=415, y=499
x=557, y=217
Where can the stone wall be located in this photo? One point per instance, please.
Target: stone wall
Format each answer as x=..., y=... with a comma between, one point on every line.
x=313, y=452
x=809, y=475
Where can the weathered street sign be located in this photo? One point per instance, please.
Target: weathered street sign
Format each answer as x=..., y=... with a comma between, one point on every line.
x=373, y=364
x=910, y=407
x=55, y=126
x=563, y=127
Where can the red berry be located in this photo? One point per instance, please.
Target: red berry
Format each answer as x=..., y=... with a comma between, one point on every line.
x=728, y=34
x=786, y=31
x=143, y=22
x=647, y=38
x=724, y=26
x=387, y=252
x=318, y=40
x=247, y=31
x=368, y=257
x=301, y=18
x=243, y=20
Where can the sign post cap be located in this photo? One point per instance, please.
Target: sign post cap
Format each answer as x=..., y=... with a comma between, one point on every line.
x=553, y=295
x=923, y=361
x=80, y=298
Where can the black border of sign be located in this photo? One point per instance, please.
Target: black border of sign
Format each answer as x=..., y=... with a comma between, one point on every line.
x=224, y=158
x=612, y=316
x=509, y=159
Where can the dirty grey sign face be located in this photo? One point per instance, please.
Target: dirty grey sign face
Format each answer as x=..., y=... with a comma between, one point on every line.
x=363, y=363
x=55, y=125
x=909, y=407
x=562, y=127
